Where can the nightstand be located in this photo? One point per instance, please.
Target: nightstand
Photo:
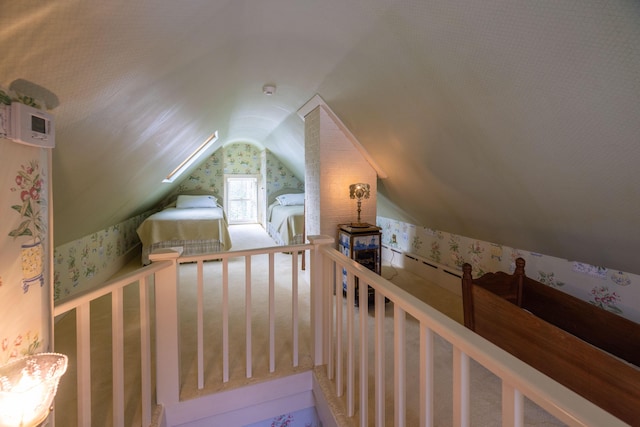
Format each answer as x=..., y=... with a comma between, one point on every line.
x=363, y=245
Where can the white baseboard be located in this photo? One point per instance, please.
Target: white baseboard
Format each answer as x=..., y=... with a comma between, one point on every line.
x=444, y=276
x=245, y=405
x=259, y=402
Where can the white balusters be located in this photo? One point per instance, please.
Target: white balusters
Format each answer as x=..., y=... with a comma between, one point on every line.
x=400, y=366
x=272, y=315
x=145, y=350
x=247, y=311
x=512, y=406
x=117, y=349
x=294, y=306
x=350, y=345
x=83, y=345
x=379, y=357
x=200, y=324
x=363, y=298
x=225, y=320
x=426, y=376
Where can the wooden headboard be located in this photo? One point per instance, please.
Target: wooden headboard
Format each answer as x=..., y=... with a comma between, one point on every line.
x=590, y=323
x=584, y=347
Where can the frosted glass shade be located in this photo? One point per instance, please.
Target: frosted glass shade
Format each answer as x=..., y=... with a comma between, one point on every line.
x=27, y=388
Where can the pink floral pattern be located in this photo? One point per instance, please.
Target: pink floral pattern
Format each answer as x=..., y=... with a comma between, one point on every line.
x=18, y=346
x=29, y=185
x=603, y=298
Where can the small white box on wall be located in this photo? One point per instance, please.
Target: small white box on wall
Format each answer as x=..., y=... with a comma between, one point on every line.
x=29, y=125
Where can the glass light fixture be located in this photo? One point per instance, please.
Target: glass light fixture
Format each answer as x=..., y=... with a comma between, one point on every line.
x=27, y=388
x=359, y=191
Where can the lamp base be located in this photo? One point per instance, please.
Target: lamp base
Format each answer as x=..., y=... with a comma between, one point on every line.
x=359, y=225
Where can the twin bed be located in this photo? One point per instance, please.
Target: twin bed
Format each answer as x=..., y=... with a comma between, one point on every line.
x=285, y=216
x=587, y=349
x=197, y=223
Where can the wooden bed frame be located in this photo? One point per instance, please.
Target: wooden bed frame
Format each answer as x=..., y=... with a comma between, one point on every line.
x=585, y=348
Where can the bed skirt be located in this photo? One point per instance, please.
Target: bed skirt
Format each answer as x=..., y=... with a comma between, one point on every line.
x=190, y=247
x=298, y=239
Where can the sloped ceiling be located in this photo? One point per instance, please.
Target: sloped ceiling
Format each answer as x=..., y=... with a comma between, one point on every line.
x=515, y=122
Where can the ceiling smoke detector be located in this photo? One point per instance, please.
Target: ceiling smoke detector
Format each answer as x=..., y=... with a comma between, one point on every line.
x=269, y=89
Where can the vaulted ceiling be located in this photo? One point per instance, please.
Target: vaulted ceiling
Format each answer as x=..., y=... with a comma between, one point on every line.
x=515, y=122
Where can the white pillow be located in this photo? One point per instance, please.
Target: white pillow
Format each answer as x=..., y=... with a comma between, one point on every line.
x=185, y=201
x=291, y=199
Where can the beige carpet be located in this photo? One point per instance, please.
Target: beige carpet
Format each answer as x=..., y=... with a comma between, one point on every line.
x=485, y=386
x=243, y=237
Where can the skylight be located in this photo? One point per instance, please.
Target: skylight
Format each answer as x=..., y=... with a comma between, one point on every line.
x=192, y=158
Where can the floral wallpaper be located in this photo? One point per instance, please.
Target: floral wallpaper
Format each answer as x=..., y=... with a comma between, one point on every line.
x=91, y=260
x=85, y=262
x=616, y=291
x=303, y=418
x=208, y=176
x=242, y=158
x=24, y=242
x=278, y=176
x=238, y=158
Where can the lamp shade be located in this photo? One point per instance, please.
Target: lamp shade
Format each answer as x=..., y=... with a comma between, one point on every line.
x=359, y=191
x=27, y=388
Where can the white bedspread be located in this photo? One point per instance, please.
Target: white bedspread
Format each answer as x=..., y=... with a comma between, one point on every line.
x=185, y=224
x=287, y=221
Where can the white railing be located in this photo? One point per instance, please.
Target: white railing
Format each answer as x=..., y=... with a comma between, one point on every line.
x=274, y=275
x=518, y=379
x=144, y=278
x=161, y=279
x=342, y=357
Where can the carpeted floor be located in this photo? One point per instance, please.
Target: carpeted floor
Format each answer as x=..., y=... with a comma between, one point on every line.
x=487, y=386
x=243, y=237
x=249, y=236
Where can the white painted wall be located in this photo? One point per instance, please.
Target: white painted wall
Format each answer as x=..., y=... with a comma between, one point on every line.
x=332, y=163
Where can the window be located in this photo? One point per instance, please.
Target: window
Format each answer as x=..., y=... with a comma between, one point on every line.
x=241, y=198
x=192, y=158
